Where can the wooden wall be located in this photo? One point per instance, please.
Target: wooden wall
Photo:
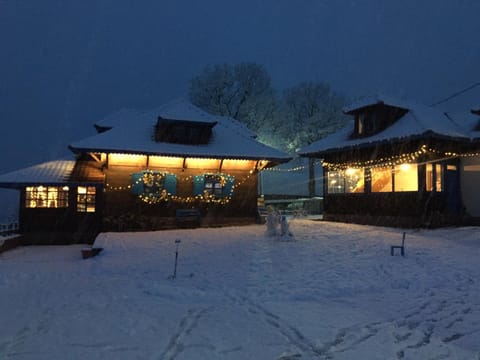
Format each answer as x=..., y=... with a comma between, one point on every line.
x=55, y=226
x=409, y=209
x=124, y=211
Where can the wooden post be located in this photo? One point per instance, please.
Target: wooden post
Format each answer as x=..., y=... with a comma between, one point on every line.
x=311, y=177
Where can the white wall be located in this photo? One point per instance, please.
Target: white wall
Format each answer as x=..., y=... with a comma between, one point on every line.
x=470, y=183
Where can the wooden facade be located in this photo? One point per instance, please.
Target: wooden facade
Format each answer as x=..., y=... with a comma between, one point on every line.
x=62, y=225
x=145, y=174
x=125, y=210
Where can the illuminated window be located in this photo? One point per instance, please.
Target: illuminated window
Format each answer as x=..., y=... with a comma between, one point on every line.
x=438, y=177
x=434, y=177
x=406, y=178
x=46, y=197
x=86, y=198
x=336, y=183
x=382, y=180
x=350, y=180
x=354, y=181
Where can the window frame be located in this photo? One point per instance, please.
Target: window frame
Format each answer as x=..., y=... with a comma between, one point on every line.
x=342, y=184
x=86, y=201
x=42, y=198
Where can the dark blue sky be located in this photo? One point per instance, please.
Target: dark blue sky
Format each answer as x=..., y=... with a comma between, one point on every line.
x=65, y=64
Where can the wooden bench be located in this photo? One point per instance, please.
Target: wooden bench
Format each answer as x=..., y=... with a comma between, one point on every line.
x=187, y=217
x=400, y=247
x=89, y=252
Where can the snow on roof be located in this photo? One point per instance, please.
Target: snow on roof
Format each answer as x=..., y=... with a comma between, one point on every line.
x=132, y=132
x=420, y=120
x=378, y=99
x=51, y=172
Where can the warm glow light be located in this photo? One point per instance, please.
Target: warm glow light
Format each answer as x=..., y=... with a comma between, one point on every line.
x=65, y=188
x=46, y=197
x=351, y=171
x=405, y=167
x=127, y=159
x=165, y=161
x=241, y=164
x=204, y=164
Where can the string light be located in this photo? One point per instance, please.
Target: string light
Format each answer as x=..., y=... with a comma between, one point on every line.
x=381, y=162
x=164, y=196
x=399, y=159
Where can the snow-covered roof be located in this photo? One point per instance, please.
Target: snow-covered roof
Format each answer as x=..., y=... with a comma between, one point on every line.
x=132, y=132
x=48, y=173
x=377, y=99
x=420, y=120
x=178, y=109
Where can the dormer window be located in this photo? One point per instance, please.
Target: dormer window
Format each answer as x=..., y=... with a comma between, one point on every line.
x=361, y=124
x=366, y=123
x=372, y=119
x=183, y=131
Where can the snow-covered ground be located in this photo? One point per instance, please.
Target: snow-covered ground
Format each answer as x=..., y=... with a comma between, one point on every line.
x=334, y=293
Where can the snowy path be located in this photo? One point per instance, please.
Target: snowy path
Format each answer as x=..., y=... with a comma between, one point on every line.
x=334, y=293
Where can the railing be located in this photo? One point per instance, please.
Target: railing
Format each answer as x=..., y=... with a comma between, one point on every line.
x=8, y=229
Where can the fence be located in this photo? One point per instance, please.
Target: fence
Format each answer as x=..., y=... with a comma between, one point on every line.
x=8, y=229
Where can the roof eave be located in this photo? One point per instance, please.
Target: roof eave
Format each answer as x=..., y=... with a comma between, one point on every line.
x=429, y=134
x=77, y=150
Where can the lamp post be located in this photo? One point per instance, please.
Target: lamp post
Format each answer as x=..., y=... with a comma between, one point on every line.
x=177, y=242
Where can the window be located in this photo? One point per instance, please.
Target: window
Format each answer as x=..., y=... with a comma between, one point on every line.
x=154, y=186
x=361, y=124
x=366, y=123
x=434, y=179
x=336, y=184
x=398, y=178
x=350, y=180
x=354, y=180
x=217, y=185
x=86, y=198
x=405, y=177
x=214, y=185
x=382, y=179
x=46, y=197
x=438, y=177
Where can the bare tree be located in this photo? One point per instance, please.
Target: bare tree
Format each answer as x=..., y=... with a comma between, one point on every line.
x=310, y=111
x=242, y=91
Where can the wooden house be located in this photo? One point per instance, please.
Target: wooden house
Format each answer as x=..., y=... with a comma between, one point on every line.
x=401, y=164
x=173, y=166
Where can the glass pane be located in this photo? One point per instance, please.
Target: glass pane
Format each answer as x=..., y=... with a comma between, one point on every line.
x=429, y=177
x=406, y=178
x=336, y=184
x=438, y=177
x=86, y=199
x=354, y=180
x=382, y=179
